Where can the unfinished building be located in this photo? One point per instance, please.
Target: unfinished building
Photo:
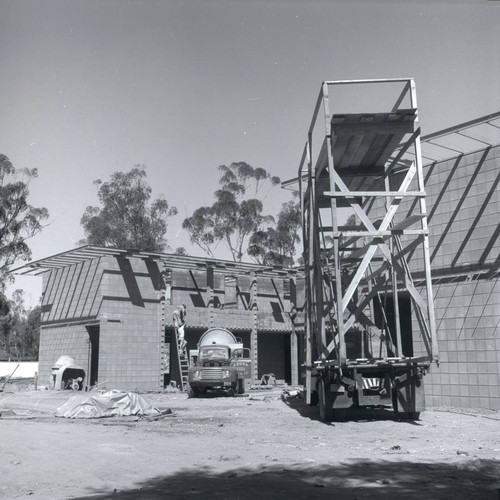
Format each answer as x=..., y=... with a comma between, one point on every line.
x=111, y=310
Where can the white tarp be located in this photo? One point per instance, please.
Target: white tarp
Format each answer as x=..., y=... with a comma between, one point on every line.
x=109, y=404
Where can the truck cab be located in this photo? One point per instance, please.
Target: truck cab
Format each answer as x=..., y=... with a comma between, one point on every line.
x=221, y=363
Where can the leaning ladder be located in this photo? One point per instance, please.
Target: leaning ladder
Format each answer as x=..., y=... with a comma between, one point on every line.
x=183, y=363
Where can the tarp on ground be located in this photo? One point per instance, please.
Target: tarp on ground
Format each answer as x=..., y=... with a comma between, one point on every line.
x=109, y=404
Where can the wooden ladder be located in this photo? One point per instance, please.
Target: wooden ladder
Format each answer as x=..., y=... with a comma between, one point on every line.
x=183, y=363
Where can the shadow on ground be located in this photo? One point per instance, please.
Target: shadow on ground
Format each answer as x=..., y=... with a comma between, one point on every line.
x=352, y=415
x=361, y=480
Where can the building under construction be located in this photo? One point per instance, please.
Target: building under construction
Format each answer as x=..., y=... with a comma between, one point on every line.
x=112, y=310
x=426, y=220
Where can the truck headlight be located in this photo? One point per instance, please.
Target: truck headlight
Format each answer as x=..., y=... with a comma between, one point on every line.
x=197, y=375
x=226, y=373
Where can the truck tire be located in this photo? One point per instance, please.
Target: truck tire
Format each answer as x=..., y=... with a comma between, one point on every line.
x=192, y=393
x=403, y=415
x=241, y=386
x=326, y=412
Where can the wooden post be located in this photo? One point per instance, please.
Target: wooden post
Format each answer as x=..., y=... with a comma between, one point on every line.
x=336, y=251
x=309, y=261
x=426, y=250
x=293, y=334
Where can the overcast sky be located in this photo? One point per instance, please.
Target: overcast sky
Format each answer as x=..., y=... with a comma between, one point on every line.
x=182, y=86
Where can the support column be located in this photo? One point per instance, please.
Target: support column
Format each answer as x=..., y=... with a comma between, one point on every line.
x=161, y=321
x=254, y=348
x=293, y=335
x=210, y=290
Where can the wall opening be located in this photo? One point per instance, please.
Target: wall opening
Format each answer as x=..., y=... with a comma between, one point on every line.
x=404, y=302
x=93, y=368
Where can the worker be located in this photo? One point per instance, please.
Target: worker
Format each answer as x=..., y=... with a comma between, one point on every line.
x=179, y=317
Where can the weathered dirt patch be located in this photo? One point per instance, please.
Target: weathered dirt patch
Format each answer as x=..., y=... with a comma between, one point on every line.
x=250, y=447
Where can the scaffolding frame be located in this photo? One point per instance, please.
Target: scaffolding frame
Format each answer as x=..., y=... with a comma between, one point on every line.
x=361, y=164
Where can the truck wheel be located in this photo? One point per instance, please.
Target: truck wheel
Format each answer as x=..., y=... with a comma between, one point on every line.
x=192, y=393
x=241, y=386
x=403, y=415
x=326, y=412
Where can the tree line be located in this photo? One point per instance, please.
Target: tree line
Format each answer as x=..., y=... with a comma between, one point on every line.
x=129, y=218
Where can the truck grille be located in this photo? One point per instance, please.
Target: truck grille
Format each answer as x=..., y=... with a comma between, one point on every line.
x=211, y=374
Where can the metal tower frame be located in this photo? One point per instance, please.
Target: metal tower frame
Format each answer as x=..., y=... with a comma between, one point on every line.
x=370, y=163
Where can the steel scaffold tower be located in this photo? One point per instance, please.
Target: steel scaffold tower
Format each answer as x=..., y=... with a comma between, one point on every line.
x=368, y=164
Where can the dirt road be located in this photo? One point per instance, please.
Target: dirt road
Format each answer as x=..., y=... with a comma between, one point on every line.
x=249, y=447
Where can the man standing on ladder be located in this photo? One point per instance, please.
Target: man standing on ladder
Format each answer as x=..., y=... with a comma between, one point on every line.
x=179, y=317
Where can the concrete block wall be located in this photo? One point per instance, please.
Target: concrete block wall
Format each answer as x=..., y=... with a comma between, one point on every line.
x=122, y=297
x=131, y=336
x=464, y=206
x=463, y=203
x=234, y=319
x=59, y=340
x=468, y=328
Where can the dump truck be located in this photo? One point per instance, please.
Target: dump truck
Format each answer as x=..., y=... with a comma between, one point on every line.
x=370, y=333
x=220, y=363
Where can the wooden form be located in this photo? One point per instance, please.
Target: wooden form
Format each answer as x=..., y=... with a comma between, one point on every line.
x=351, y=272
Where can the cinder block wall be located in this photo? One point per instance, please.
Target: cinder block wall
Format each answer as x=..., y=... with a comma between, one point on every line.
x=56, y=341
x=463, y=205
x=70, y=299
x=131, y=335
x=122, y=296
x=468, y=375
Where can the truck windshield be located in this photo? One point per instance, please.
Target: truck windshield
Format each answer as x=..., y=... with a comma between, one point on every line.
x=219, y=353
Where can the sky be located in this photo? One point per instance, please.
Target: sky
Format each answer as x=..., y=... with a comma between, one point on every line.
x=90, y=87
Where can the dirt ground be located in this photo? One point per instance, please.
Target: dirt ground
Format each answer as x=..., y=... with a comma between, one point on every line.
x=246, y=447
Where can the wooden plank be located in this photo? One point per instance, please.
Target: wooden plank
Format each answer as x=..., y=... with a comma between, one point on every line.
x=378, y=234
x=339, y=147
x=357, y=277
x=352, y=148
x=325, y=202
x=322, y=161
x=378, y=145
x=357, y=194
x=400, y=127
x=391, y=145
x=364, y=147
x=393, y=116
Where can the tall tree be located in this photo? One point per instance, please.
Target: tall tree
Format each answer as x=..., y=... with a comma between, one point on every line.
x=276, y=245
x=19, y=328
x=128, y=218
x=236, y=213
x=19, y=220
